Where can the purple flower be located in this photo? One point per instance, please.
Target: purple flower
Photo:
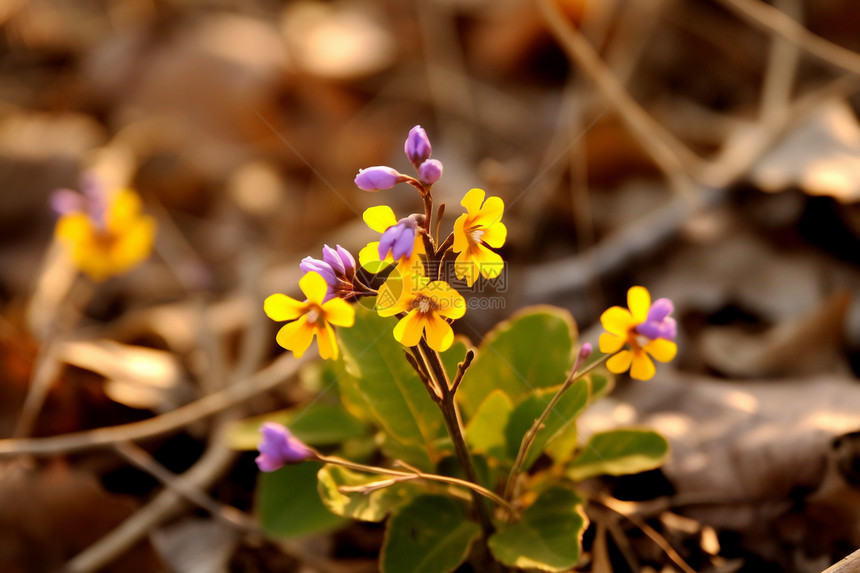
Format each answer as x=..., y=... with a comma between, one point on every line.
x=337, y=268
x=430, y=171
x=657, y=323
x=279, y=447
x=585, y=351
x=93, y=201
x=417, y=146
x=398, y=239
x=378, y=177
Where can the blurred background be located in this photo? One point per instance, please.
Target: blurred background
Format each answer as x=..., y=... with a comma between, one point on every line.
x=709, y=150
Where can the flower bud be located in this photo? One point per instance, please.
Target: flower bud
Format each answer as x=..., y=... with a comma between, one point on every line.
x=430, y=171
x=398, y=239
x=585, y=351
x=278, y=447
x=417, y=146
x=378, y=177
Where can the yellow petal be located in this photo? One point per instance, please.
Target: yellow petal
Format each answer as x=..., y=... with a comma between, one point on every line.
x=643, y=368
x=490, y=264
x=339, y=312
x=369, y=254
x=620, y=362
x=461, y=242
x=439, y=333
x=296, y=336
x=661, y=349
x=617, y=320
x=638, y=301
x=379, y=218
x=134, y=244
x=491, y=212
x=610, y=343
x=450, y=303
x=393, y=298
x=495, y=235
x=74, y=227
x=408, y=331
x=124, y=206
x=326, y=342
x=472, y=200
x=314, y=287
x=465, y=268
x=281, y=307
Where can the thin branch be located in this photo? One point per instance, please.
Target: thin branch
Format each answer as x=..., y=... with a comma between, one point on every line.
x=283, y=368
x=461, y=370
x=772, y=20
x=670, y=154
x=849, y=564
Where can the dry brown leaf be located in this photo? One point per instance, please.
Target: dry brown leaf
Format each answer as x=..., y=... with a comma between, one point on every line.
x=805, y=345
x=821, y=156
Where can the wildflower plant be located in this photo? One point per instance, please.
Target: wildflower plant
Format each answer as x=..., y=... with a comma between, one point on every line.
x=459, y=429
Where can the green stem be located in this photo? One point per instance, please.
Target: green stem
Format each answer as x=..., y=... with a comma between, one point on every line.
x=417, y=474
x=530, y=436
x=452, y=423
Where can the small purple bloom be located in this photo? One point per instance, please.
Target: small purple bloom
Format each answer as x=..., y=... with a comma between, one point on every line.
x=66, y=201
x=585, y=350
x=417, y=146
x=93, y=201
x=378, y=177
x=279, y=447
x=658, y=323
x=398, y=239
x=430, y=171
x=337, y=268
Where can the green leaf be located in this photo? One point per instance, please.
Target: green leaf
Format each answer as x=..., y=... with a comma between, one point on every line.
x=601, y=382
x=317, y=424
x=486, y=430
x=373, y=506
x=619, y=452
x=288, y=503
x=561, y=420
x=382, y=383
x=532, y=350
x=430, y=535
x=548, y=535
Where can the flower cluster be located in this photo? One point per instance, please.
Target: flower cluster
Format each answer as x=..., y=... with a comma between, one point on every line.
x=646, y=329
x=104, y=232
x=425, y=304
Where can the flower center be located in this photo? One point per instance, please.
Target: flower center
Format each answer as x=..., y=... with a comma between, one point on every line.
x=475, y=235
x=424, y=304
x=313, y=314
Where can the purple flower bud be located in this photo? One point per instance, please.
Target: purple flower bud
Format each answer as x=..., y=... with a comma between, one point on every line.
x=65, y=201
x=398, y=239
x=312, y=265
x=378, y=177
x=279, y=447
x=430, y=171
x=340, y=260
x=585, y=351
x=417, y=146
x=657, y=323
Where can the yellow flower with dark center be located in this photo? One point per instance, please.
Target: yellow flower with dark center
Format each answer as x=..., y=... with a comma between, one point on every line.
x=309, y=318
x=427, y=306
x=407, y=257
x=647, y=331
x=106, y=235
x=480, y=226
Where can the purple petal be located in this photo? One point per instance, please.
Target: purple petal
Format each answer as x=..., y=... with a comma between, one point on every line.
x=330, y=256
x=348, y=261
x=417, y=146
x=404, y=243
x=430, y=171
x=279, y=447
x=309, y=264
x=65, y=201
x=387, y=240
x=660, y=309
x=649, y=329
x=376, y=178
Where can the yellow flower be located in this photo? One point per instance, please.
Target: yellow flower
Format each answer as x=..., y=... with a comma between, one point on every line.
x=621, y=328
x=309, y=318
x=480, y=225
x=380, y=219
x=427, y=304
x=113, y=242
